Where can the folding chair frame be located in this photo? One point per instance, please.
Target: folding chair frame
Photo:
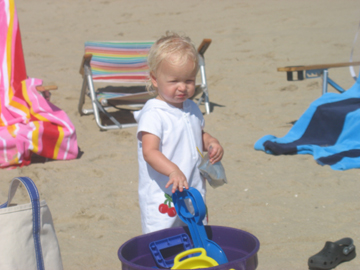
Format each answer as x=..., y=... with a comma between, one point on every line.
x=315, y=71
x=85, y=71
x=205, y=96
x=88, y=83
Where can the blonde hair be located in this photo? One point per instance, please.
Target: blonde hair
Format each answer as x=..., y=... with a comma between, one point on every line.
x=180, y=48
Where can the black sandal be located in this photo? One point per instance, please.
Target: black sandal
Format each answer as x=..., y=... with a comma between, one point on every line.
x=333, y=254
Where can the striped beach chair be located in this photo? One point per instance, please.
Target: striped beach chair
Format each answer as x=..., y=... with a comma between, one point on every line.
x=124, y=66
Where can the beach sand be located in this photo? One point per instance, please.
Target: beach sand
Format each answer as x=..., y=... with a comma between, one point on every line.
x=290, y=203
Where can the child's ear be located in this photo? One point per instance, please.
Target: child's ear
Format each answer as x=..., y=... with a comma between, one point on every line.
x=153, y=80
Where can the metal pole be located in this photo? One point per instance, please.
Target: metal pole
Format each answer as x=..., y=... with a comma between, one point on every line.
x=325, y=81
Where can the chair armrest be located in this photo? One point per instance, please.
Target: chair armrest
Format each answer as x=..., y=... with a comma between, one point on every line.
x=323, y=66
x=85, y=61
x=43, y=88
x=203, y=46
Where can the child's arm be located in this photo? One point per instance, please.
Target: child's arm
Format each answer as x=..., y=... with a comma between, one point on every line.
x=216, y=152
x=161, y=164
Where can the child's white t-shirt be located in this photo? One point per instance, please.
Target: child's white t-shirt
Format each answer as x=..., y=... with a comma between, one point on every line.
x=180, y=133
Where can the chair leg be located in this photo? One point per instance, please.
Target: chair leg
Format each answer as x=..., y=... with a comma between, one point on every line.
x=82, y=96
x=207, y=103
x=325, y=81
x=204, y=98
x=204, y=84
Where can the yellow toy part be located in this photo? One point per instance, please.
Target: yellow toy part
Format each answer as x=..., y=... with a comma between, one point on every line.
x=201, y=261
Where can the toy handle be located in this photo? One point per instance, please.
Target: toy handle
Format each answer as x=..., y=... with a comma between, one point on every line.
x=189, y=252
x=197, y=201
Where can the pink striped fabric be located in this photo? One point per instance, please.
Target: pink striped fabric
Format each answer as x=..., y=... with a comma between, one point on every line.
x=28, y=123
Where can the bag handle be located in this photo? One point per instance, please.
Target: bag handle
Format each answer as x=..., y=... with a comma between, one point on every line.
x=30, y=187
x=35, y=204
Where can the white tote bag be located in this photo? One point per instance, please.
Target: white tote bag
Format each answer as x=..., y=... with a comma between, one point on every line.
x=27, y=235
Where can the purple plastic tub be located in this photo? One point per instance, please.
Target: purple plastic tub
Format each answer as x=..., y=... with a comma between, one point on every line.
x=239, y=246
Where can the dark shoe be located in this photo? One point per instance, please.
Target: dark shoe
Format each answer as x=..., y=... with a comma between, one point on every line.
x=333, y=254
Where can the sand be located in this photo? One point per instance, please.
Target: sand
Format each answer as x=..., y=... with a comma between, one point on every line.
x=292, y=204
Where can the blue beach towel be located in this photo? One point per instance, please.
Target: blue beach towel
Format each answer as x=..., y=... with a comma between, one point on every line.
x=329, y=130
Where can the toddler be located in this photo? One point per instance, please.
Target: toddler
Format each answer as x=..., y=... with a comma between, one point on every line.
x=169, y=132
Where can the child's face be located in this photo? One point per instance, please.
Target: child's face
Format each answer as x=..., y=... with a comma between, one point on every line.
x=175, y=82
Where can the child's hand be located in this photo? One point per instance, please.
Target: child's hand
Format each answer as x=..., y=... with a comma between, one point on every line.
x=178, y=180
x=215, y=152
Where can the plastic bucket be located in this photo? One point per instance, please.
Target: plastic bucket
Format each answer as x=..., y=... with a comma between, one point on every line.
x=239, y=246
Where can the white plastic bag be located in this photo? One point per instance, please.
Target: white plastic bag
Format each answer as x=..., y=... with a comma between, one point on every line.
x=214, y=173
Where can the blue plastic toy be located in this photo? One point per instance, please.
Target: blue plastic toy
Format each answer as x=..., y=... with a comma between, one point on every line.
x=194, y=222
x=170, y=246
